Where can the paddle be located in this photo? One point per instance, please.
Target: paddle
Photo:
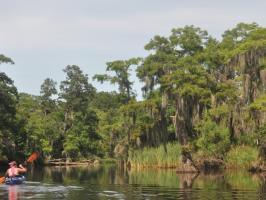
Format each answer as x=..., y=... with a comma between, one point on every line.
x=32, y=157
x=2, y=180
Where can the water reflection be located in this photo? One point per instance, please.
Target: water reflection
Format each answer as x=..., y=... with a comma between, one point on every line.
x=13, y=193
x=110, y=182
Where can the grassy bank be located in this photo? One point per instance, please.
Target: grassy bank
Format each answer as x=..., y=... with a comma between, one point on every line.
x=241, y=157
x=156, y=157
x=237, y=157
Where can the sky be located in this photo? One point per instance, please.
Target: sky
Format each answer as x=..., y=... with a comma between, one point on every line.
x=44, y=36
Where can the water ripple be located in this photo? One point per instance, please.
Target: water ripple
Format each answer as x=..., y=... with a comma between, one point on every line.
x=36, y=190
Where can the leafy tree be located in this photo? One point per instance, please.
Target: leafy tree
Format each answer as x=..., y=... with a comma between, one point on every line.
x=81, y=139
x=159, y=63
x=188, y=83
x=121, y=68
x=8, y=101
x=79, y=123
x=237, y=34
x=107, y=106
x=75, y=90
x=48, y=89
x=191, y=87
x=189, y=40
x=35, y=131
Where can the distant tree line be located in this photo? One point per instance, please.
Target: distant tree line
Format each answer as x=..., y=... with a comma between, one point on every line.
x=197, y=91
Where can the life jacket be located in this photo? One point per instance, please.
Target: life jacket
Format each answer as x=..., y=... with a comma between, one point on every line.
x=13, y=171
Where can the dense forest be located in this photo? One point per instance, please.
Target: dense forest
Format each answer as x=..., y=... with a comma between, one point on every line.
x=205, y=95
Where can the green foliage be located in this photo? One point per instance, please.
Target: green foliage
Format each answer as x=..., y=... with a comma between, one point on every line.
x=39, y=131
x=260, y=132
x=186, y=75
x=212, y=55
x=259, y=104
x=219, y=112
x=189, y=39
x=106, y=101
x=241, y=156
x=255, y=40
x=190, y=81
x=48, y=89
x=122, y=69
x=227, y=92
x=8, y=101
x=75, y=90
x=239, y=33
x=156, y=157
x=214, y=139
x=84, y=128
x=4, y=59
x=71, y=146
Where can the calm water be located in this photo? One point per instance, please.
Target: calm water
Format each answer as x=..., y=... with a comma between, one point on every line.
x=109, y=182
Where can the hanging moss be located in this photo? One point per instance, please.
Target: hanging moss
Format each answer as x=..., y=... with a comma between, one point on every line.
x=249, y=63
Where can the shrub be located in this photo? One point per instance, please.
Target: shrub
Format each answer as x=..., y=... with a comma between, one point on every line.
x=214, y=140
x=241, y=156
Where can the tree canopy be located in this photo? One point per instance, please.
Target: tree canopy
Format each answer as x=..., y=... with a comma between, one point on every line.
x=197, y=90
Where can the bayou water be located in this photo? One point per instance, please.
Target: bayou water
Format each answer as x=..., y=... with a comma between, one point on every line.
x=110, y=182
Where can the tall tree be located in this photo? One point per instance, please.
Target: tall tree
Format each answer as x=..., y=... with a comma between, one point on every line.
x=122, y=69
x=159, y=63
x=75, y=90
x=8, y=101
x=48, y=89
x=79, y=122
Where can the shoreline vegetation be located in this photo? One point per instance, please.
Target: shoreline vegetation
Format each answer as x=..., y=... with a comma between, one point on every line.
x=238, y=157
x=203, y=107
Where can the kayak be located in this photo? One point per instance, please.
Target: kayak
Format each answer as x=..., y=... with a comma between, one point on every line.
x=17, y=180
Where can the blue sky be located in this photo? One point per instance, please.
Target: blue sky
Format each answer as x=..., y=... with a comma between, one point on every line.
x=42, y=37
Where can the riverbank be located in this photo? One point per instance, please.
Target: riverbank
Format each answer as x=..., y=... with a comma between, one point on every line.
x=182, y=159
x=186, y=160
x=64, y=161
x=82, y=162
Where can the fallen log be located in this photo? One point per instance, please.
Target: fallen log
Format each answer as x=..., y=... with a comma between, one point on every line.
x=61, y=162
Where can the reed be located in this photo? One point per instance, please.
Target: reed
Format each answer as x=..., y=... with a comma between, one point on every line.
x=241, y=157
x=156, y=157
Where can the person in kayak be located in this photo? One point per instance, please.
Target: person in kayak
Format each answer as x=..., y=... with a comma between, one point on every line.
x=14, y=171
